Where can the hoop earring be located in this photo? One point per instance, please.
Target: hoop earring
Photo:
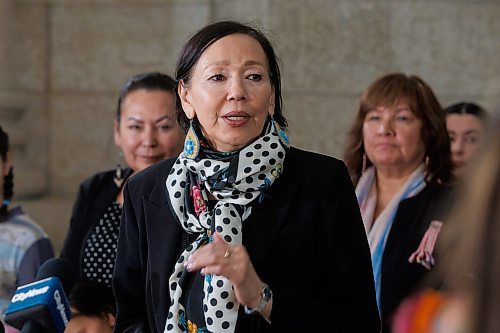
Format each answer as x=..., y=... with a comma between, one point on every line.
x=118, y=178
x=191, y=143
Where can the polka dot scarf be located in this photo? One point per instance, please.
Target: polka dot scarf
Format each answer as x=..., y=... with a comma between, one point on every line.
x=236, y=179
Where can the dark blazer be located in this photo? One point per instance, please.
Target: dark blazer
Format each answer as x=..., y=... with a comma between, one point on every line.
x=306, y=240
x=94, y=196
x=399, y=277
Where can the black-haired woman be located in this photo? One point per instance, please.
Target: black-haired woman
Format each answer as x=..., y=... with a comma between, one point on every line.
x=467, y=124
x=24, y=246
x=93, y=309
x=146, y=132
x=241, y=233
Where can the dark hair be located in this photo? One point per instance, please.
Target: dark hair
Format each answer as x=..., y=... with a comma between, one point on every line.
x=468, y=108
x=8, y=182
x=388, y=91
x=198, y=43
x=92, y=299
x=146, y=81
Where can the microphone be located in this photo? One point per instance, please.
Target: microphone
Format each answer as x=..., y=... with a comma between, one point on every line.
x=42, y=306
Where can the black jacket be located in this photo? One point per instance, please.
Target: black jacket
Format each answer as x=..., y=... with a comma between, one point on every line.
x=306, y=240
x=94, y=196
x=400, y=278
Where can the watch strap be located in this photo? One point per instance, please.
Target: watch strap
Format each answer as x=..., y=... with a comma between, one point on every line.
x=266, y=294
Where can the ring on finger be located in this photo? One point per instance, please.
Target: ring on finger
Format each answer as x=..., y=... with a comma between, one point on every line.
x=227, y=254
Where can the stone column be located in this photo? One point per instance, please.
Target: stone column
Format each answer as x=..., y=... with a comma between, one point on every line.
x=5, y=19
x=23, y=92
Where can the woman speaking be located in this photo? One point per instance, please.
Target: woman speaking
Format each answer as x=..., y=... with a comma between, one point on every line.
x=240, y=233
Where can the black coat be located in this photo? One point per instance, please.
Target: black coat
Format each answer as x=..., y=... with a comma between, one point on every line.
x=306, y=240
x=95, y=195
x=400, y=278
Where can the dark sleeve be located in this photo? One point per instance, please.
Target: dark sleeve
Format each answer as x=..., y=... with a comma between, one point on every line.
x=34, y=257
x=342, y=298
x=129, y=274
x=77, y=230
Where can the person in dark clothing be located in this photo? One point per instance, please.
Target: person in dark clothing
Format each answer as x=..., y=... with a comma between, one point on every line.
x=145, y=130
x=398, y=155
x=241, y=232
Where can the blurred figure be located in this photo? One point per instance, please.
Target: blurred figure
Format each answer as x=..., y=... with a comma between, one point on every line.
x=24, y=246
x=146, y=131
x=470, y=261
x=398, y=155
x=466, y=123
x=93, y=309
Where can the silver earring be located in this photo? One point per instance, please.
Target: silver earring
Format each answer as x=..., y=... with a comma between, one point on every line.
x=118, y=178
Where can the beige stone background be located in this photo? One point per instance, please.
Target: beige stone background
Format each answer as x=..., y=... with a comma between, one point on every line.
x=63, y=61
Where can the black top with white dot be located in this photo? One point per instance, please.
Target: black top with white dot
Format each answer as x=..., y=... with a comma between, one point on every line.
x=99, y=252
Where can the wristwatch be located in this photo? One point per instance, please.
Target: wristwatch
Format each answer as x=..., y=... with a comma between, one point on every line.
x=266, y=294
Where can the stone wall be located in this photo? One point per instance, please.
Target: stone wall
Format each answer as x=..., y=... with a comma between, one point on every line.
x=63, y=61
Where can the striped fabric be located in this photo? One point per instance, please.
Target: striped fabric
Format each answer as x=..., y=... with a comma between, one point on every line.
x=17, y=235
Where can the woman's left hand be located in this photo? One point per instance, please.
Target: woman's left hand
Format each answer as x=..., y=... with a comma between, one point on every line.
x=232, y=262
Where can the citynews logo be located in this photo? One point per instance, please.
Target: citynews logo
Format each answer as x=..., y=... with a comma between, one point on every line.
x=30, y=293
x=40, y=291
x=60, y=307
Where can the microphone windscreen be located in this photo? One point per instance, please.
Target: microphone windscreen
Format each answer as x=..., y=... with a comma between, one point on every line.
x=42, y=306
x=60, y=268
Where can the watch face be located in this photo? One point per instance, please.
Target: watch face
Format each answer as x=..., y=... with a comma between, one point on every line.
x=267, y=293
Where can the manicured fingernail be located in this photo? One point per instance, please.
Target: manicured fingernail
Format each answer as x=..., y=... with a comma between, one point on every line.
x=202, y=272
